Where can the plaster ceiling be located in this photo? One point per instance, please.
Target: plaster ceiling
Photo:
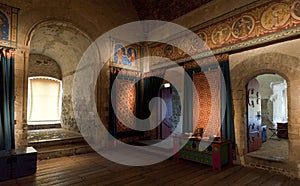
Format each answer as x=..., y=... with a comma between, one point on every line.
x=61, y=42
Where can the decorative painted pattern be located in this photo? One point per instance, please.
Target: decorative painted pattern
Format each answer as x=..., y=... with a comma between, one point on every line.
x=124, y=72
x=208, y=95
x=125, y=103
x=261, y=24
x=209, y=60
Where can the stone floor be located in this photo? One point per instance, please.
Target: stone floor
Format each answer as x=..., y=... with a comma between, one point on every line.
x=273, y=149
x=93, y=169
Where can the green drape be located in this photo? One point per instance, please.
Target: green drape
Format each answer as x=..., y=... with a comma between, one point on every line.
x=227, y=123
x=112, y=127
x=188, y=102
x=7, y=139
x=149, y=90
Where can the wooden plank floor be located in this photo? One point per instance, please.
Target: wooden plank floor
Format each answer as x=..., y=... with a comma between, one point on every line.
x=92, y=169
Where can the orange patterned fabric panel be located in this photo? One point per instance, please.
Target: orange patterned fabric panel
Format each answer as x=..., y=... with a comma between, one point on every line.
x=208, y=102
x=125, y=104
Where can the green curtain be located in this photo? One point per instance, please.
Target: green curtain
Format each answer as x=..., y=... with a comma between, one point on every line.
x=188, y=102
x=7, y=139
x=112, y=127
x=149, y=90
x=227, y=123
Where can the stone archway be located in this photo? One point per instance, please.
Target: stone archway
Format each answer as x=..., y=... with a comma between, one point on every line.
x=289, y=68
x=65, y=43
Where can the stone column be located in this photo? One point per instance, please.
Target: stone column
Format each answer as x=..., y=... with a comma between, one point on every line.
x=21, y=80
x=238, y=112
x=294, y=121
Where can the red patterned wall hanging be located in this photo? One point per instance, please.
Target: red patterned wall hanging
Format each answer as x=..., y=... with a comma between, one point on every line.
x=125, y=103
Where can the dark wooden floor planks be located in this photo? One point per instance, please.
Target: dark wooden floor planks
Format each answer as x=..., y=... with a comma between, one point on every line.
x=92, y=169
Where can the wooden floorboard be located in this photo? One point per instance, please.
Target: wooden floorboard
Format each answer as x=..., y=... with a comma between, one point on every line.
x=92, y=169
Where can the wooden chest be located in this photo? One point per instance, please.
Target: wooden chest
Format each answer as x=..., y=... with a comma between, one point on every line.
x=215, y=153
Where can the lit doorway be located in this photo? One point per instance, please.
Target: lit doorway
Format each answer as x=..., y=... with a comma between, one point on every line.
x=267, y=116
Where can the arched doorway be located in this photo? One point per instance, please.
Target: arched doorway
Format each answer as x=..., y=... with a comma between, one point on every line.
x=244, y=67
x=267, y=116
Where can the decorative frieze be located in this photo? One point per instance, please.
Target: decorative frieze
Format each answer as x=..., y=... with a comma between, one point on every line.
x=261, y=24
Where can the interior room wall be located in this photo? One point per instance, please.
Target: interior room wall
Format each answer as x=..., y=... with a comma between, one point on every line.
x=280, y=59
x=266, y=91
x=40, y=65
x=61, y=30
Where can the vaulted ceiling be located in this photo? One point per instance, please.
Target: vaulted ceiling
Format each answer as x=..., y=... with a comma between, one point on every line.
x=165, y=10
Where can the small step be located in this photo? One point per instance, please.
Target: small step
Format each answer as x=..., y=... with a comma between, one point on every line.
x=64, y=150
x=44, y=135
x=57, y=142
x=267, y=157
x=43, y=126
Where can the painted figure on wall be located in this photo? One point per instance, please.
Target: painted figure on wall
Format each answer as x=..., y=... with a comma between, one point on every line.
x=199, y=41
x=221, y=34
x=131, y=53
x=168, y=50
x=3, y=26
x=120, y=56
x=275, y=16
x=296, y=10
x=243, y=26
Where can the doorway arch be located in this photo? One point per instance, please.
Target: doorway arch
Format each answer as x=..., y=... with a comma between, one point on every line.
x=266, y=126
x=241, y=73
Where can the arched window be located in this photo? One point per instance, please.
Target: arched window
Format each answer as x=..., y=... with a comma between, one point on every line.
x=44, y=100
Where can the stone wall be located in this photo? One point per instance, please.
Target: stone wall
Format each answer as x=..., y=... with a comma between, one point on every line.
x=61, y=30
x=176, y=109
x=20, y=99
x=244, y=66
x=265, y=92
x=40, y=65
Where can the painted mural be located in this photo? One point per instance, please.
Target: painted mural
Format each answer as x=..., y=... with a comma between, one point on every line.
x=296, y=10
x=3, y=26
x=221, y=34
x=243, y=26
x=261, y=23
x=197, y=44
x=8, y=26
x=275, y=16
x=126, y=56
